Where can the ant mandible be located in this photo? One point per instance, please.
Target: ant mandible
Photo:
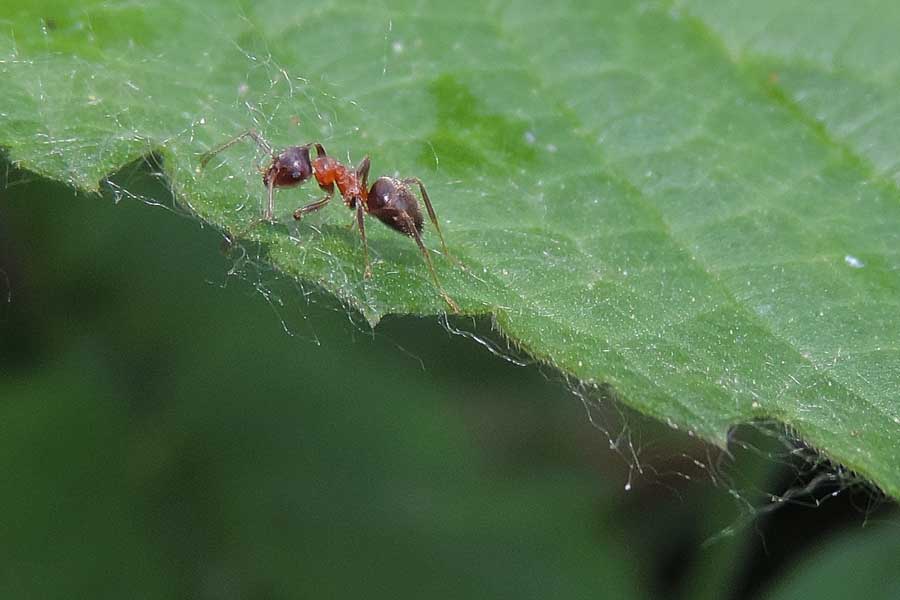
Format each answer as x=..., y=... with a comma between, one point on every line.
x=389, y=200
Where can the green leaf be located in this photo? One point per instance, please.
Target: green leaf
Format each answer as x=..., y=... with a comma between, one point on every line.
x=695, y=205
x=862, y=564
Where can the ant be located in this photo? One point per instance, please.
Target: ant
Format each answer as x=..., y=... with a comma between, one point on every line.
x=389, y=200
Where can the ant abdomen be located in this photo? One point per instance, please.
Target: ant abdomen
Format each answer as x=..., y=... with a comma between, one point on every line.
x=392, y=203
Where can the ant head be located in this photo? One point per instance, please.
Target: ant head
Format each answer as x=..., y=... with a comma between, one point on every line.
x=291, y=167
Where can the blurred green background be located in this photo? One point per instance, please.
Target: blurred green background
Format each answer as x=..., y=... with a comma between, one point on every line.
x=162, y=436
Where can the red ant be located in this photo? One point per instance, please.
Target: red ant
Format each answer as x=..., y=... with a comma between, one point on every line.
x=390, y=200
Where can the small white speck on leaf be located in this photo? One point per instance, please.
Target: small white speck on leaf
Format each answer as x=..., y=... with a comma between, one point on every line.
x=854, y=262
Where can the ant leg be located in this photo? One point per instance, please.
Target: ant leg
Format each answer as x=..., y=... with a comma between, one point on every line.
x=268, y=214
x=268, y=217
x=250, y=133
x=320, y=150
x=362, y=172
x=430, y=209
x=411, y=227
x=361, y=221
x=270, y=203
x=314, y=206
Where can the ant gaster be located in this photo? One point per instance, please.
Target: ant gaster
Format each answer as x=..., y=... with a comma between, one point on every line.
x=389, y=200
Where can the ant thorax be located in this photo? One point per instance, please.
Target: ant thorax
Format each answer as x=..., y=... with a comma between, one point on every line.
x=329, y=171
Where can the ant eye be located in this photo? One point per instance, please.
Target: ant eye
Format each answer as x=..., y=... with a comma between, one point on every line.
x=296, y=174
